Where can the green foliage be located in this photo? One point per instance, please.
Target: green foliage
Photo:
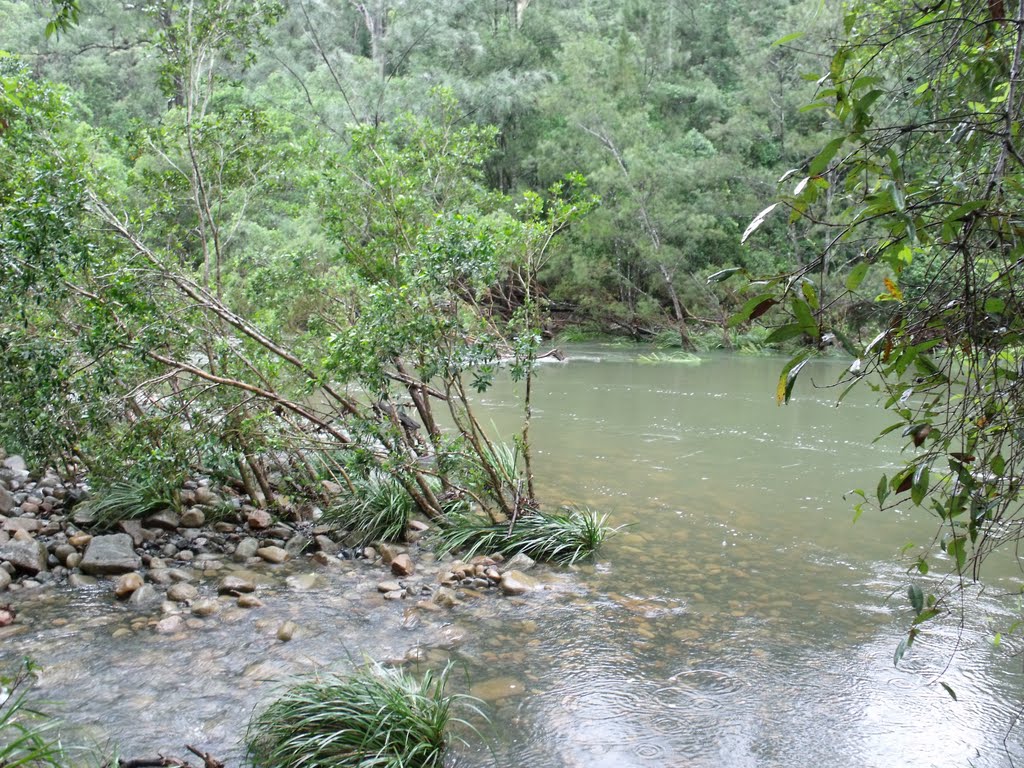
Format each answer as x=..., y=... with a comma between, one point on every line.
x=920, y=183
x=28, y=737
x=374, y=717
x=564, y=537
x=379, y=509
x=111, y=504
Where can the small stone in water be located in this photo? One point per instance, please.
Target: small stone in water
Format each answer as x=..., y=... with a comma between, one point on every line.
x=127, y=583
x=272, y=554
x=286, y=631
x=249, y=601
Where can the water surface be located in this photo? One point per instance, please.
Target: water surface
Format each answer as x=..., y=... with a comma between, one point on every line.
x=741, y=618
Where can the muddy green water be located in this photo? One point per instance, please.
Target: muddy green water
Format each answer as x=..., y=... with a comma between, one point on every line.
x=741, y=619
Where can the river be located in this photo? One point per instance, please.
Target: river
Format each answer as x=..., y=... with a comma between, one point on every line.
x=740, y=618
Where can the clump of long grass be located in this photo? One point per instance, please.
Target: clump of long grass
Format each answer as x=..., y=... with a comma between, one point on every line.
x=563, y=537
x=379, y=509
x=376, y=718
x=128, y=501
x=27, y=736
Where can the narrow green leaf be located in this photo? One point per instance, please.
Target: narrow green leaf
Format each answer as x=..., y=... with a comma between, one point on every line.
x=919, y=489
x=856, y=276
x=882, y=492
x=950, y=691
x=784, y=333
x=805, y=317
x=901, y=649
x=820, y=163
x=789, y=375
x=916, y=597
x=724, y=274
x=787, y=39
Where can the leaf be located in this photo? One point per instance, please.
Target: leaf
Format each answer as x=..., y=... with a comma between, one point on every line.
x=856, y=276
x=751, y=306
x=926, y=615
x=820, y=163
x=805, y=317
x=807, y=289
x=919, y=489
x=906, y=483
x=957, y=548
x=901, y=649
x=784, y=333
x=950, y=691
x=787, y=39
x=998, y=465
x=789, y=375
x=893, y=290
x=757, y=222
x=882, y=492
x=916, y=597
x=724, y=274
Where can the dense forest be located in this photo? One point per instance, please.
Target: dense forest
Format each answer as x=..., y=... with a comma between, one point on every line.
x=218, y=208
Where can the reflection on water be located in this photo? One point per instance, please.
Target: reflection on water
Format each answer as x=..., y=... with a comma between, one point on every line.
x=740, y=619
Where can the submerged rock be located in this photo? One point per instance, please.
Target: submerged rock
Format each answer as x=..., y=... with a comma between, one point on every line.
x=516, y=583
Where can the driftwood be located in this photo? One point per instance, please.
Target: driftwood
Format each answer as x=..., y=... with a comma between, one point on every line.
x=160, y=761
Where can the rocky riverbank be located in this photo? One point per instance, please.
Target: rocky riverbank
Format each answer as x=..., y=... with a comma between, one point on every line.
x=177, y=567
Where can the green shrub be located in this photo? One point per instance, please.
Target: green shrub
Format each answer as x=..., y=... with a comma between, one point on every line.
x=564, y=537
x=376, y=718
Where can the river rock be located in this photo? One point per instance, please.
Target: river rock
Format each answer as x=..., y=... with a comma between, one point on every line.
x=296, y=545
x=520, y=562
x=127, y=583
x=272, y=554
x=389, y=586
x=110, y=555
x=203, y=495
x=205, y=607
x=170, y=625
x=80, y=580
x=246, y=548
x=145, y=596
x=327, y=545
x=445, y=597
x=7, y=502
x=516, y=583
x=402, y=565
x=302, y=581
x=182, y=592
x=5, y=579
x=164, y=519
x=80, y=540
x=26, y=556
x=286, y=631
x=387, y=552
x=249, y=601
x=192, y=518
x=235, y=585
x=27, y=524
x=16, y=464
x=63, y=552
x=134, y=529
x=258, y=519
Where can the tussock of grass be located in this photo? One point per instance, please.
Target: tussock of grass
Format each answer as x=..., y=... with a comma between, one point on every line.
x=377, y=718
x=27, y=737
x=379, y=510
x=564, y=537
x=127, y=501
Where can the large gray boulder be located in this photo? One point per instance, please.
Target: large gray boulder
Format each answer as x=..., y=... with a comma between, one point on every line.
x=27, y=556
x=110, y=555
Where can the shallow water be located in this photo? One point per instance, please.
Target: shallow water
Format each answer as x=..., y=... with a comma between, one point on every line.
x=740, y=619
